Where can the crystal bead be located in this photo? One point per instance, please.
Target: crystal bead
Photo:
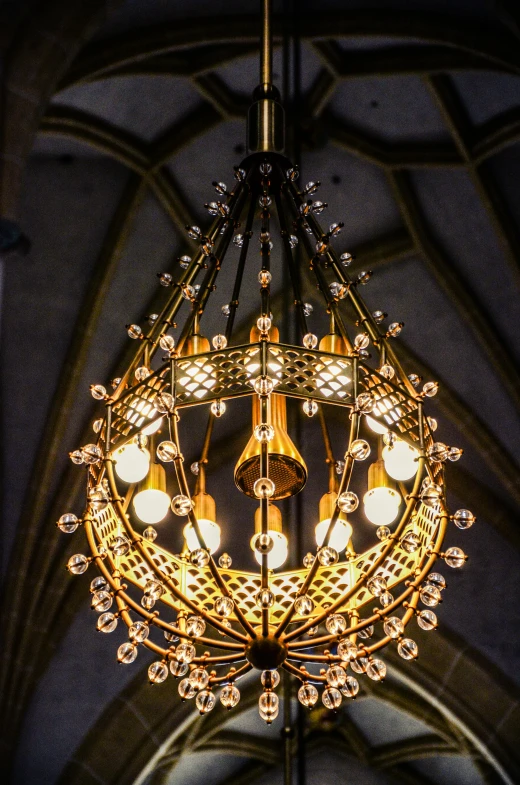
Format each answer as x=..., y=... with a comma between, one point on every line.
x=318, y=207
x=98, y=392
x=167, y=451
x=195, y=626
x=199, y=677
x=167, y=343
x=205, y=701
x=361, y=341
x=165, y=279
x=303, y=605
x=293, y=240
x=186, y=690
x=393, y=627
x=127, y=653
x=386, y=599
x=101, y=601
x=327, y=556
x=266, y=168
x=77, y=564
x=308, y=560
x=265, y=237
x=378, y=316
x=432, y=422
x=218, y=408
x=184, y=262
x=195, y=468
x=97, y=425
x=178, y=669
x=154, y=588
x=194, y=232
x=263, y=385
x=383, y=532
x=310, y=341
x=336, y=676
x=389, y=439
x=376, y=585
x=150, y=534
x=335, y=229
x=76, y=457
x=224, y=606
x=366, y=632
x=339, y=290
x=115, y=382
x=264, y=324
x=157, y=672
x=264, y=488
x=187, y=292
x=430, y=389
x=264, y=200
x=311, y=188
x=229, y=696
x=292, y=174
x=455, y=557
x=107, y=622
x=376, y=670
x=322, y=246
x=312, y=631
x=142, y=373
x=91, y=453
x=454, y=453
x=336, y=624
x=410, y=542
x=199, y=557
x=427, y=620
x=347, y=650
x=387, y=371
x=365, y=402
x=270, y=679
x=226, y=310
x=351, y=687
x=463, y=519
x=430, y=595
x=134, y=331
x=359, y=665
x=138, y=632
x=164, y=403
x=437, y=579
x=147, y=602
x=181, y=505
x=220, y=188
x=395, y=329
x=438, y=452
x=120, y=546
x=359, y=449
x=348, y=501
x=346, y=259
x=212, y=208
x=240, y=174
x=331, y=698
x=264, y=277
x=308, y=695
x=68, y=523
x=185, y=652
x=264, y=433
x=310, y=408
x=99, y=583
x=408, y=649
x=268, y=706
x=264, y=598
x=364, y=277
x=225, y=561
x=171, y=636
x=339, y=467
x=430, y=494
x=219, y=342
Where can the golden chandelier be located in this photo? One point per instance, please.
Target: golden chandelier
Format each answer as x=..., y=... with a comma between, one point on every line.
x=316, y=622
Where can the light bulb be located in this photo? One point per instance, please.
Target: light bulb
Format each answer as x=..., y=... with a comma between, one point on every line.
x=400, y=460
x=151, y=505
x=381, y=505
x=210, y=532
x=132, y=463
x=376, y=425
x=279, y=552
x=340, y=536
x=152, y=427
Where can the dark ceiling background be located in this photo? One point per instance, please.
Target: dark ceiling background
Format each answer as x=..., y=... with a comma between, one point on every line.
x=116, y=118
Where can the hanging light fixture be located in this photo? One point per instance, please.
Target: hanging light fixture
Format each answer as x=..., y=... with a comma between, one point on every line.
x=266, y=619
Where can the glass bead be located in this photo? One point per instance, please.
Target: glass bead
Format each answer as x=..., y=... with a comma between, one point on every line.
x=376, y=670
x=310, y=408
x=430, y=389
x=389, y=439
x=219, y=342
x=150, y=534
x=91, y=454
x=327, y=556
x=194, y=232
x=186, y=690
x=359, y=665
x=311, y=187
x=154, y=588
x=98, y=391
x=336, y=676
x=240, y=174
x=226, y=310
x=225, y=561
x=331, y=698
x=338, y=290
x=387, y=371
x=99, y=583
x=178, y=669
x=376, y=585
x=364, y=277
x=264, y=433
x=463, y=519
x=393, y=627
x=164, y=403
x=310, y=341
x=378, y=316
x=414, y=379
x=361, y=341
x=270, y=679
x=184, y=262
x=157, y=672
x=138, y=631
x=455, y=557
x=218, y=408
x=68, y=523
x=264, y=488
x=366, y=632
x=335, y=229
x=171, y=636
x=264, y=277
x=410, y=542
x=181, y=505
x=351, y=687
x=199, y=557
x=76, y=457
x=322, y=246
x=318, y=207
x=263, y=543
x=303, y=605
x=395, y=329
x=430, y=595
x=308, y=695
x=120, y=546
x=187, y=292
x=264, y=598
x=147, y=602
x=115, y=382
x=224, y=606
x=438, y=452
x=212, y=208
x=165, y=279
x=307, y=309
x=359, y=449
x=142, y=373
x=432, y=422
x=437, y=579
x=220, y=188
x=430, y=494
x=167, y=451
x=107, y=622
x=268, y=706
x=199, y=677
x=308, y=560
x=266, y=168
x=336, y=624
x=386, y=599
x=77, y=564
x=127, y=653
x=195, y=626
x=97, y=498
x=348, y=501
x=454, y=453
x=346, y=259
x=97, y=425
x=383, y=532
x=167, y=343
x=408, y=649
x=101, y=601
x=229, y=696
x=427, y=620
x=134, y=331
x=347, y=650
x=339, y=467
x=263, y=385
x=185, y=652
x=312, y=631
x=293, y=240
x=292, y=174
x=365, y=402
x=195, y=468
x=205, y=701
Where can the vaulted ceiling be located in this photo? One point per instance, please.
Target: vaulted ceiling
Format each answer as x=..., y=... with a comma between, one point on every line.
x=116, y=118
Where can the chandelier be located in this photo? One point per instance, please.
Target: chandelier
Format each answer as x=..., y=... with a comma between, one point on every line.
x=207, y=622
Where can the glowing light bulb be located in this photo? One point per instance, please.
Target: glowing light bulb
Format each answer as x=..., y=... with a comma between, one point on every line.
x=376, y=425
x=381, y=505
x=279, y=552
x=341, y=533
x=210, y=532
x=132, y=463
x=151, y=505
x=400, y=460
x=152, y=427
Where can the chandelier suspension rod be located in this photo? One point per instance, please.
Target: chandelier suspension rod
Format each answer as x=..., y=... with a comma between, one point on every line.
x=290, y=263
x=266, y=49
x=233, y=305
